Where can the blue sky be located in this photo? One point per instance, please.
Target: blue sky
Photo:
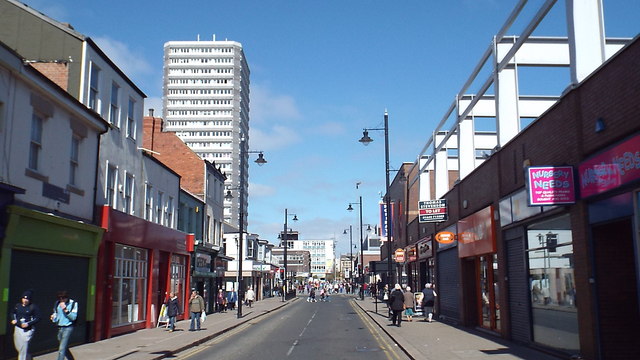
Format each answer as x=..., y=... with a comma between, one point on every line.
x=321, y=71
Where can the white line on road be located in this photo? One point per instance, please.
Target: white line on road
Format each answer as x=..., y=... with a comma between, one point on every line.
x=292, y=346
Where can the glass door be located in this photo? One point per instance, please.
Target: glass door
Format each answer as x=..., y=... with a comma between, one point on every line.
x=487, y=274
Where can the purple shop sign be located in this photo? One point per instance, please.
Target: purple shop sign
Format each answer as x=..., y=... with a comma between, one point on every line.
x=551, y=185
x=613, y=168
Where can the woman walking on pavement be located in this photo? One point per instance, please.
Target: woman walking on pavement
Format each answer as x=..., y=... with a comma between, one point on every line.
x=196, y=307
x=409, y=304
x=428, y=300
x=173, y=310
x=396, y=303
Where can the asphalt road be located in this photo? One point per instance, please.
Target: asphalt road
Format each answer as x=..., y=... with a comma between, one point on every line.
x=336, y=329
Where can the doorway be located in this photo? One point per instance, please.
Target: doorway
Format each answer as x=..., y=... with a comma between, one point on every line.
x=487, y=289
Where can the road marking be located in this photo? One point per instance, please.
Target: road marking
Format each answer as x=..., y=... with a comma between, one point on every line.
x=291, y=348
x=389, y=351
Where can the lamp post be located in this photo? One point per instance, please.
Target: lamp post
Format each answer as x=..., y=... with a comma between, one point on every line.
x=285, y=288
x=260, y=161
x=361, y=273
x=350, y=251
x=365, y=140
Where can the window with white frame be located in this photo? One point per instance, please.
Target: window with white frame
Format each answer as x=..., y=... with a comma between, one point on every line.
x=112, y=178
x=128, y=194
x=94, y=86
x=159, y=205
x=114, y=109
x=35, y=146
x=168, y=212
x=148, y=204
x=131, y=124
x=73, y=160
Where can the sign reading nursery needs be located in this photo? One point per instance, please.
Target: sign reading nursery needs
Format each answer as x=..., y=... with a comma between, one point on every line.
x=432, y=211
x=551, y=185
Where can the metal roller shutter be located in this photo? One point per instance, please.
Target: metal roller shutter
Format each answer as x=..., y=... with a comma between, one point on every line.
x=449, y=284
x=519, y=304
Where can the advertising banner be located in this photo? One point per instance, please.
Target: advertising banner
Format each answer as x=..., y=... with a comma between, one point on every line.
x=610, y=169
x=550, y=185
x=383, y=221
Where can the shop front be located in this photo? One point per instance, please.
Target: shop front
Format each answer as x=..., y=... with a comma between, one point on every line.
x=477, y=250
x=139, y=263
x=46, y=254
x=610, y=182
x=425, y=263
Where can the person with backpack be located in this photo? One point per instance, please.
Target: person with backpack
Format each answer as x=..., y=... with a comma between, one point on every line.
x=25, y=314
x=65, y=314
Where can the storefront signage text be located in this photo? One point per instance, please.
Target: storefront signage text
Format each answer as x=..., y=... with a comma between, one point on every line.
x=432, y=211
x=412, y=253
x=445, y=237
x=551, y=185
x=399, y=255
x=611, y=169
x=476, y=234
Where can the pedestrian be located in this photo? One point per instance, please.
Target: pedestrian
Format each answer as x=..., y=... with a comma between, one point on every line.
x=409, y=304
x=232, y=297
x=428, y=301
x=250, y=296
x=196, y=307
x=220, y=299
x=173, y=310
x=24, y=316
x=396, y=304
x=65, y=314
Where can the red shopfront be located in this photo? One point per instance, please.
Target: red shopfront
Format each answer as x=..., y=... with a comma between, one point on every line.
x=477, y=249
x=139, y=262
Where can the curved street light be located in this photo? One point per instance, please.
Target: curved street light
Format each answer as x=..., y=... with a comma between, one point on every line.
x=366, y=140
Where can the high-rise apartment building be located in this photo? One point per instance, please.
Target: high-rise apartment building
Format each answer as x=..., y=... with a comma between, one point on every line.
x=206, y=103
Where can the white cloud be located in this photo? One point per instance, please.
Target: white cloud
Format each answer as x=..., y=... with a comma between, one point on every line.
x=131, y=62
x=275, y=138
x=266, y=105
x=261, y=190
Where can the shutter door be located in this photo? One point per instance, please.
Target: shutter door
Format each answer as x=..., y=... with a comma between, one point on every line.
x=448, y=284
x=519, y=303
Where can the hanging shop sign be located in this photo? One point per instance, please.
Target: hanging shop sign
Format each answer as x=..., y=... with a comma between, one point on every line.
x=445, y=237
x=425, y=248
x=432, y=211
x=550, y=185
x=412, y=253
x=610, y=169
x=400, y=255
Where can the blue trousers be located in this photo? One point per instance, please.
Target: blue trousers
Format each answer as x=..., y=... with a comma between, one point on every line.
x=172, y=322
x=195, y=320
x=64, y=333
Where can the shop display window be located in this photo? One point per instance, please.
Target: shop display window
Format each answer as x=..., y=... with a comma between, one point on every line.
x=129, y=285
x=552, y=284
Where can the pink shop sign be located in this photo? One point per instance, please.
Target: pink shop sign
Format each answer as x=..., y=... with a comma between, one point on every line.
x=551, y=185
x=611, y=169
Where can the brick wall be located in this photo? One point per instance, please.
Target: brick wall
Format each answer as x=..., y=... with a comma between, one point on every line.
x=56, y=72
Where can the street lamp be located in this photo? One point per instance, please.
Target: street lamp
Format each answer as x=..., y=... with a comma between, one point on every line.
x=365, y=140
x=260, y=161
x=284, y=240
x=361, y=273
x=350, y=251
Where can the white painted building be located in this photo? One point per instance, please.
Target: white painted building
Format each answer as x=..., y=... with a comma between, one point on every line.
x=206, y=103
x=49, y=142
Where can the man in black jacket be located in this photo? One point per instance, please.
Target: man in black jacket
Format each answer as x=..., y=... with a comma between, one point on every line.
x=25, y=314
x=396, y=303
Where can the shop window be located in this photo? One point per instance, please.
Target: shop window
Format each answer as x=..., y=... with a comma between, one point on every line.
x=552, y=284
x=129, y=285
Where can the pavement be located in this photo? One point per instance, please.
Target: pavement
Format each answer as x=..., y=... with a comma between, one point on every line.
x=418, y=339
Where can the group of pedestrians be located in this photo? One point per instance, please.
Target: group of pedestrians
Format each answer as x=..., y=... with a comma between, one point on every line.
x=26, y=314
x=400, y=301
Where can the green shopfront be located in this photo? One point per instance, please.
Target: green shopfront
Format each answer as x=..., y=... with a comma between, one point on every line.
x=46, y=253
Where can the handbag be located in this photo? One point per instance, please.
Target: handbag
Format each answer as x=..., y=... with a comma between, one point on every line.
x=203, y=317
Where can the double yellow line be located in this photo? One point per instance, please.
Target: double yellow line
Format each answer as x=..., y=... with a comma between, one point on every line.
x=389, y=348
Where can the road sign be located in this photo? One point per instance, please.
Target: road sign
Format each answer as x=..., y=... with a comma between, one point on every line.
x=432, y=211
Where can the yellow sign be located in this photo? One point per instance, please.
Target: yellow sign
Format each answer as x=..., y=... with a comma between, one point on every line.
x=445, y=237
